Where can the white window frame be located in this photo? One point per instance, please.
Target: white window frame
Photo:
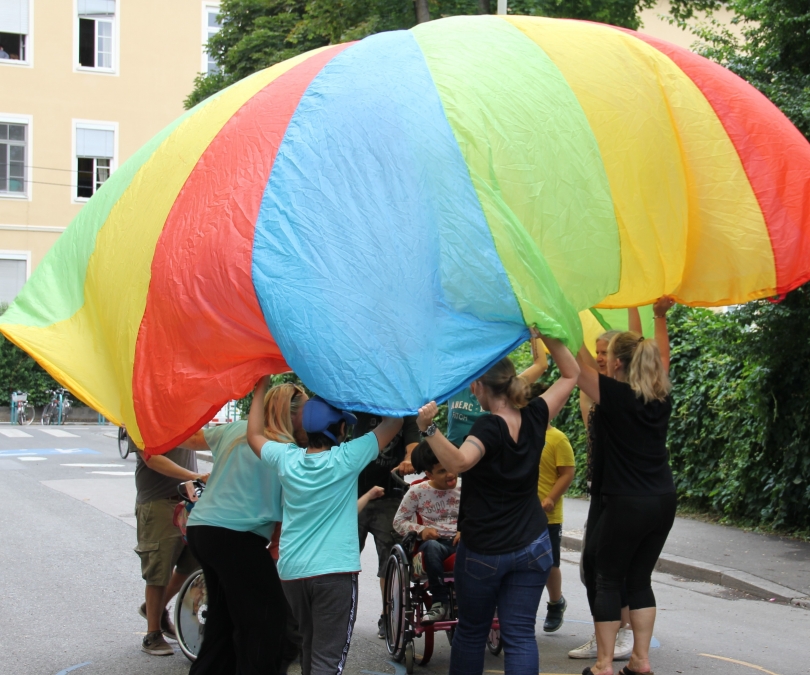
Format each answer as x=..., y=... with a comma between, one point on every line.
x=28, y=120
x=206, y=8
x=74, y=175
x=18, y=255
x=29, y=44
x=116, y=47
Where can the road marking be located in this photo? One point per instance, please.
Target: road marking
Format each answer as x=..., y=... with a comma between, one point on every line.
x=96, y=466
x=48, y=451
x=739, y=663
x=14, y=433
x=77, y=666
x=32, y=459
x=59, y=433
x=114, y=473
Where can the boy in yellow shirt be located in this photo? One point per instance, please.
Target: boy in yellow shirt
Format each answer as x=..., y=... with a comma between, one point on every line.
x=556, y=475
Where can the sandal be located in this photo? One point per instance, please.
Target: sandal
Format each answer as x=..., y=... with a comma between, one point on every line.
x=627, y=671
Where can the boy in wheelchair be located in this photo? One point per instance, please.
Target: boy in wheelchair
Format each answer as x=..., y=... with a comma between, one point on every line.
x=430, y=509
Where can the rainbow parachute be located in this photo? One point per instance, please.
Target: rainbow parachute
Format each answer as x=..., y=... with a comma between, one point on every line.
x=387, y=217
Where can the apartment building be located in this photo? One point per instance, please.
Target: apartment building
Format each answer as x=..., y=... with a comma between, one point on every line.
x=85, y=83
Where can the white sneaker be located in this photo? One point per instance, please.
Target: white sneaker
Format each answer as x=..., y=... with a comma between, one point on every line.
x=586, y=651
x=624, y=644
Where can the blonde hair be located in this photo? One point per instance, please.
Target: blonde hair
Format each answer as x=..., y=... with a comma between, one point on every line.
x=644, y=370
x=281, y=404
x=503, y=380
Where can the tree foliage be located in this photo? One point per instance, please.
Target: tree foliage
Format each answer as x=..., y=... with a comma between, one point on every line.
x=257, y=34
x=773, y=53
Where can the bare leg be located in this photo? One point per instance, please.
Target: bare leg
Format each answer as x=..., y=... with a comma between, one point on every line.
x=554, y=585
x=154, y=607
x=643, y=621
x=605, y=643
x=173, y=588
x=626, y=616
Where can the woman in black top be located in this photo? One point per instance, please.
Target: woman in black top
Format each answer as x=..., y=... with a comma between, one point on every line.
x=504, y=555
x=633, y=495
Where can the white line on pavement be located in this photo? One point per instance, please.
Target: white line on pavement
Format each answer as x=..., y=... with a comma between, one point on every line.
x=98, y=466
x=114, y=473
x=32, y=459
x=15, y=433
x=59, y=433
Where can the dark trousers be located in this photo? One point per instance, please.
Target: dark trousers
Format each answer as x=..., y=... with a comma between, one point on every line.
x=512, y=582
x=247, y=612
x=434, y=553
x=326, y=608
x=624, y=544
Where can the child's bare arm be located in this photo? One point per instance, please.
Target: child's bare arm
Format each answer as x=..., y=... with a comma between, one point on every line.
x=374, y=493
x=565, y=476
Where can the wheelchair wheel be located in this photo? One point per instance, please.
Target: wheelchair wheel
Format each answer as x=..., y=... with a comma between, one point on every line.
x=494, y=643
x=409, y=654
x=397, y=603
x=189, y=614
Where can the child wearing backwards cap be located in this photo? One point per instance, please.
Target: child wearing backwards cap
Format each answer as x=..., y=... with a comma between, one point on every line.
x=319, y=552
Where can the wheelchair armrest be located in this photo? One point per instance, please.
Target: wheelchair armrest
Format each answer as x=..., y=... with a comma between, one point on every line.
x=409, y=543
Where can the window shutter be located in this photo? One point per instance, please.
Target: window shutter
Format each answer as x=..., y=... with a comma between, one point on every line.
x=14, y=16
x=12, y=278
x=95, y=142
x=96, y=7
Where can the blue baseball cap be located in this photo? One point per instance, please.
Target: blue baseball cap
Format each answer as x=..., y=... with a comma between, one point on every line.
x=319, y=416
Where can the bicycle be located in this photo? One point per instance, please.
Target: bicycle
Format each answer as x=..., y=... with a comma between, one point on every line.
x=57, y=411
x=22, y=412
x=123, y=442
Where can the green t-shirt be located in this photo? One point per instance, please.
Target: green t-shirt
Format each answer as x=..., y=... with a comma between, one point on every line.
x=319, y=529
x=243, y=493
x=462, y=411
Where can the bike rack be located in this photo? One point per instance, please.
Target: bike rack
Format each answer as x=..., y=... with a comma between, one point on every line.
x=17, y=397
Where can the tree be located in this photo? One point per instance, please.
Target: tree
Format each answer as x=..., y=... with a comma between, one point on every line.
x=773, y=54
x=256, y=34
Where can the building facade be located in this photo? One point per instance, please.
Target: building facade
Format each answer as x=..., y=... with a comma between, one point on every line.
x=83, y=85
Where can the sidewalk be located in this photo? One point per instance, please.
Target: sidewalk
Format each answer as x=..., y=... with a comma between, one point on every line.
x=767, y=566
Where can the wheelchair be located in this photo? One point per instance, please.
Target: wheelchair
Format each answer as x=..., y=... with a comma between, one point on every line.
x=407, y=598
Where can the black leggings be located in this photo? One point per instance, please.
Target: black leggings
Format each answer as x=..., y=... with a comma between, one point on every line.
x=247, y=610
x=624, y=539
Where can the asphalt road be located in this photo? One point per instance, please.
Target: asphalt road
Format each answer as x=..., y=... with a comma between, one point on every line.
x=70, y=584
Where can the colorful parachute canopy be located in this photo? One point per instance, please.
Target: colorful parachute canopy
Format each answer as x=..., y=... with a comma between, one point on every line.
x=387, y=217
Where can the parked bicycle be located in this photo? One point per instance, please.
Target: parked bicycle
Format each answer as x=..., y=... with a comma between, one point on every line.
x=57, y=411
x=22, y=412
x=123, y=442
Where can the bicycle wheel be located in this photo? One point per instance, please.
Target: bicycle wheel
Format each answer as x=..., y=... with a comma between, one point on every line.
x=27, y=414
x=50, y=413
x=123, y=442
x=65, y=411
x=190, y=612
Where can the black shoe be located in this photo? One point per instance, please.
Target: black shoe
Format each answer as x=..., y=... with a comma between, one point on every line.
x=381, y=628
x=554, y=616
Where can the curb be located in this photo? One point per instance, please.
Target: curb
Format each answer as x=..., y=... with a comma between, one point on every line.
x=715, y=574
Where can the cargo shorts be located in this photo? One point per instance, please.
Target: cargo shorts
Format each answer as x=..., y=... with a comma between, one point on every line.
x=160, y=543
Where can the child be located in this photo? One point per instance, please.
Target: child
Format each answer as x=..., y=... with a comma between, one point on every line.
x=319, y=553
x=436, y=501
x=556, y=475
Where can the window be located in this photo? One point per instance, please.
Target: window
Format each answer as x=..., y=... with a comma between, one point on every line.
x=96, y=33
x=14, y=267
x=13, y=142
x=95, y=157
x=211, y=27
x=14, y=31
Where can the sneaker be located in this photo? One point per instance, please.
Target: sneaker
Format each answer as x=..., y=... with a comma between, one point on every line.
x=554, y=615
x=624, y=644
x=166, y=625
x=154, y=643
x=437, y=612
x=381, y=628
x=586, y=651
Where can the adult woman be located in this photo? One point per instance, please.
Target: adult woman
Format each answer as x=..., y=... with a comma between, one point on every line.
x=504, y=555
x=633, y=495
x=228, y=532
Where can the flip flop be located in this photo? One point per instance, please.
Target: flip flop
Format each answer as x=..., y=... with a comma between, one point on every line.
x=627, y=671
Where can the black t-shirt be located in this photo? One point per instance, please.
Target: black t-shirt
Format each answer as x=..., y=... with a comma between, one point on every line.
x=630, y=452
x=500, y=511
x=378, y=472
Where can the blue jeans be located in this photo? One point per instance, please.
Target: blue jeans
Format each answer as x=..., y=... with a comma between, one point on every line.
x=512, y=582
x=434, y=553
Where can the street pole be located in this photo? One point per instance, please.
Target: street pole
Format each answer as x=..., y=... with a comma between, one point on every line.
x=501, y=6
